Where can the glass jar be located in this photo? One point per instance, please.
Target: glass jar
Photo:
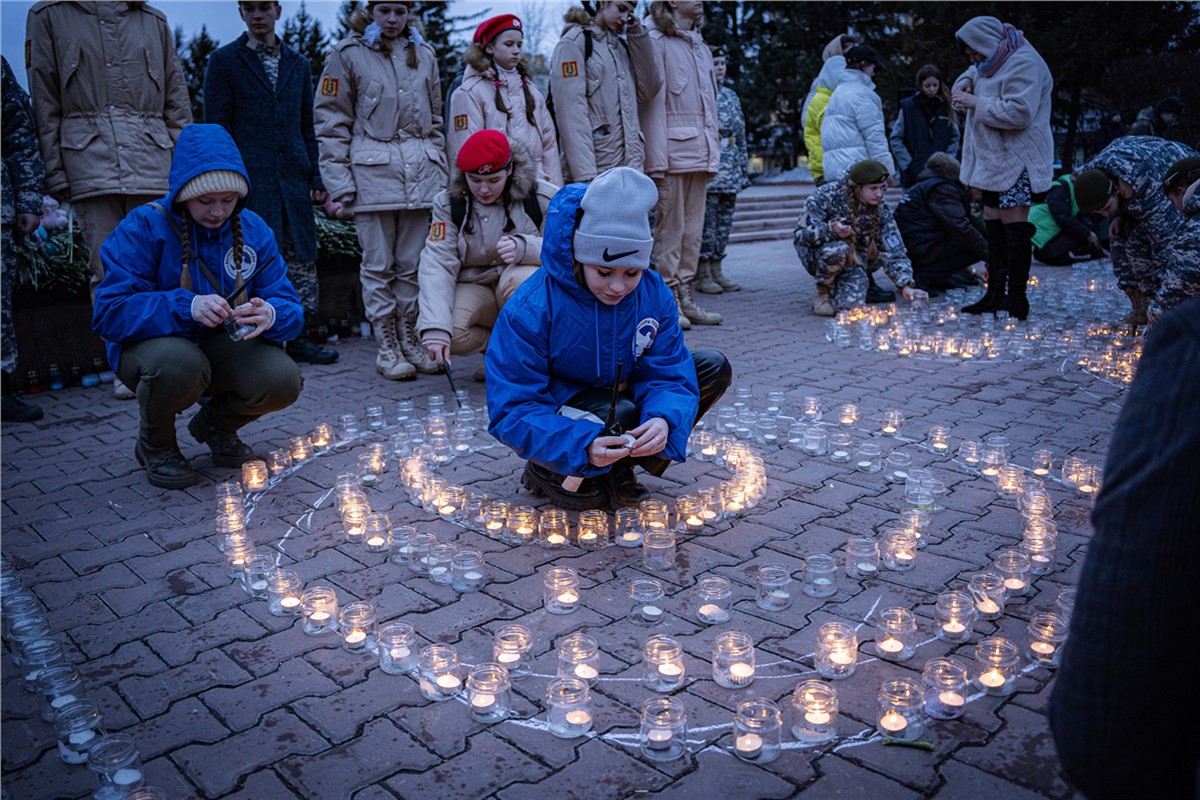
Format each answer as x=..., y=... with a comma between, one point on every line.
x=1013, y=566
x=945, y=681
x=820, y=575
x=766, y=431
x=701, y=445
x=895, y=634
x=569, y=707
x=795, y=434
x=1064, y=604
x=836, y=655
x=810, y=409
x=892, y=423
x=561, y=590
x=897, y=467
x=997, y=661
x=774, y=592
x=1008, y=480
x=238, y=550
x=814, y=712
x=462, y=441
x=510, y=649
x=58, y=684
x=898, y=550
x=377, y=533
x=419, y=547
x=628, y=526
x=79, y=726
x=319, y=610
x=321, y=437
x=901, y=708
x=254, y=575
x=579, y=657
x=441, y=561
x=939, y=440
x=714, y=594
x=970, y=453
x=646, y=594
x=555, y=529
x=653, y=515
x=839, y=447
x=519, y=527
x=397, y=648
x=954, y=616
x=592, y=533
x=440, y=672
x=733, y=660
x=489, y=693
x=990, y=463
x=664, y=729
x=473, y=505
x=284, y=589
x=816, y=441
x=495, y=520
x=916, y=521
x=710, y=503
x=868, y=458
x=1047, y=632
x=467, y=570
x=733, y=499
x=689, y=516
x=988, y=592
x=254, y=475
x=359, y=627
x=658, y=550
x=354, y=522
x=401, y=551
x=450, y=503
x=997, y=444
x=1042, y=462
x=228, y=489
x=847, y=414
x=662, y=662
x=117, y=765
x=347, y=427
x=38, y=655
x=757, y=730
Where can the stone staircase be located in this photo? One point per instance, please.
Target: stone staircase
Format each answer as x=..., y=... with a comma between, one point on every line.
x=761, y=217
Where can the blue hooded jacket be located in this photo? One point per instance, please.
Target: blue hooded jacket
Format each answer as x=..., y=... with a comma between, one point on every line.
x=141, y=295
x=554, y=339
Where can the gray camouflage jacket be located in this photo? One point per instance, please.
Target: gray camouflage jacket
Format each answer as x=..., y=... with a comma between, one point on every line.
x=733, y=174
x=24, y=173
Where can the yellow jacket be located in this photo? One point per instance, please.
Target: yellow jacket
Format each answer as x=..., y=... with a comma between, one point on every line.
x=812, y=131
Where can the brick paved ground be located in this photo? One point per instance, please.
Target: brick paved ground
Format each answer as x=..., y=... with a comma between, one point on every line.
x=225, y=700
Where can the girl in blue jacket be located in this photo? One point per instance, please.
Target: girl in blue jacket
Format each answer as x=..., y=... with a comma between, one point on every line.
x=182, y=316
x=593, y=317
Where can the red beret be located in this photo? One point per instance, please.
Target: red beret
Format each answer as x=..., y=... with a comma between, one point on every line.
x=489, y=29
x=487, y=151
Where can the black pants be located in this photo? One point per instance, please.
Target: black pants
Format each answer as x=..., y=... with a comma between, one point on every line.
x=713, y=373
x=934, y=271
x=1063, y=251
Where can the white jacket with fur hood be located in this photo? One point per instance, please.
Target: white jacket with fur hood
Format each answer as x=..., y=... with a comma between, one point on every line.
x=1009, y=130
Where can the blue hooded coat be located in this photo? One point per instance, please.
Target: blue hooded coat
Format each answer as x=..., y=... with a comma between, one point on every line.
x=141, y=296
x=554, y=339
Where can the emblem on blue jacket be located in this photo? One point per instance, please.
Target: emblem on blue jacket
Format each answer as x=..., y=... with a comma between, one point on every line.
x=249, y=262
x=647, y=329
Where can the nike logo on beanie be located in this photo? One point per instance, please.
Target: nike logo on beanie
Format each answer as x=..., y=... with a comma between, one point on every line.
x=611, y=257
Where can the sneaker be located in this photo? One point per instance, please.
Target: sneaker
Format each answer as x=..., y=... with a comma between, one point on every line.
x=121, y=391
x=166, y=467
x=14, y=409
x=307, y=351
x=544, y=483
x=624, y=489
x=226, y=448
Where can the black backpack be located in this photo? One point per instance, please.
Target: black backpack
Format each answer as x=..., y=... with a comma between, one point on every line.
x=587, y=53
x=533, y=209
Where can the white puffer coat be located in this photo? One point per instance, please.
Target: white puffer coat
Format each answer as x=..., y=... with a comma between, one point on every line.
x=854, y=129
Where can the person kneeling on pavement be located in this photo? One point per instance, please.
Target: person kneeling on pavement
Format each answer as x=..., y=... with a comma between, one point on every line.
x=588, y=376
x=1181, y=274
x=1064, y=233
x=934, y=218
x=485, y=240
x=847, y=230
x=182, y=322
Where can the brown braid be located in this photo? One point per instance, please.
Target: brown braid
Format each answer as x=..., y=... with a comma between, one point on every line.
x=412, y=54
x=856, y=208
x=523, y=71
x=185, y=277
x=244, y=295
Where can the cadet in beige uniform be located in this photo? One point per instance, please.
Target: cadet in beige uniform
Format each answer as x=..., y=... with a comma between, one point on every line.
x=597, y=79
x=379, y=124
x=476, y=258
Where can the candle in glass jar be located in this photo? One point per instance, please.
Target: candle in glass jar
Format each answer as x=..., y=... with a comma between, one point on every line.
x=741, y=670
x=992, y=679
x=893, y=722
x=586, y=672
x=749, y=745
x=952, y=699
x=448, y=684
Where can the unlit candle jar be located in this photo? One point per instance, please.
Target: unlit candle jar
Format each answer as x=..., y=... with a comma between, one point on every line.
x=284, y=589
x=663, y=735
x=898, y=550
x=839, y=447
x=1014, y=567
x=254, y=575
x=319, y=610
x=767, y=431
x=510, y=649
x=895, y=634
x=988, y=592
x=862, y=557
x=579, y=657
x=997, y=661
x=774, y=588
x=440, y=672
x=662, y=664
x=970, y=453
x=1047, y=633
x=868, y=458
x=757, y=730
x=397, y=648
x=230, y=524
x=369, y=469
x=569, y=707
x=658, y=550
x=467, y=570
x=488, y=693
x=646, y=595
x=814, y=712
x=347, y=427
x=1064, y=604
x=79, y=726
x=897, y=467
x=795, y=434
x=996, y=443
x=58, y=685
x=954, y=616
x=592, y=532
x=713, y=595
x=836, y=654
x=117, y=765
x=901, y=708
x=473, y=504
x=733, y=660
x=816, y=441
x=359, y=627
x=561, y=590
x=820, y=575
x=38, y=655
x=945, y=685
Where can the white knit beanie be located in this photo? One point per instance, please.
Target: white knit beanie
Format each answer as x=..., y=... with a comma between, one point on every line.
x=614, y=230
x=217, y=181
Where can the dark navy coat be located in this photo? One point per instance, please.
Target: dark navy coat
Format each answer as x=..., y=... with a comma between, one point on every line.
x=273, y=131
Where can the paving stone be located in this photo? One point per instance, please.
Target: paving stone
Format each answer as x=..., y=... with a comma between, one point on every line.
x=102, y=639
x=85, y=561
x=261, y=785
x=1023, y=752
x=153, y=695
x=601, y=770
x=461, y=778
x=377, y=753
x=187, y=722
x=134, y=658
x=242, y=706
x=967, y=783
x=62, y=593
x=264, y=654
x=182, y=647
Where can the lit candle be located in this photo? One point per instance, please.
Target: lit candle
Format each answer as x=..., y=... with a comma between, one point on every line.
x=631, y=538
x=890, y=645
x=893, y=721
x=291, y=602
x=741, y=671
x=319, y=616
x=952, y=699
x=749, y=745
x=375, y=541
x=353, y=637
x=495, y=525
x=954, y=626
x=578, y=718
x=987, y=606
x=670, y=670
x=1042, y=648
x=586, y=672
x=400, y=652
x=481, y=701
x=992, y=679
x=568, y=598
x=867, y=567
x=709, y=451
x=447, y=510
x=841, y=657
x=817, y=717
x=1013, y=584
x=889, y=429
x=556, y=538
x=508, y=658
x=694, y=521
x=659, y=738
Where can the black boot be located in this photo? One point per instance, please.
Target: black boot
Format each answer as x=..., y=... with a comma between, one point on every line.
x=166, y=467
x=304, y=350
x=624, y=489
x=997, y=270
x=226, y=448
x=544, y=483
x=1018, y=238
x=12, y=407
x=877, y=295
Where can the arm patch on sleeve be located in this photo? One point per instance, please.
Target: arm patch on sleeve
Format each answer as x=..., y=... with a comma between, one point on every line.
x=437, y=232
x=460, y=122
x=570, y=69
x=329, y=87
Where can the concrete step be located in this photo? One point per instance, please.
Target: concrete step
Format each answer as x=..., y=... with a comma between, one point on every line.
x=737, y=236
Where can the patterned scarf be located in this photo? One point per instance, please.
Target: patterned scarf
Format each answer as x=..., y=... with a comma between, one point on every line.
x=1010, y=41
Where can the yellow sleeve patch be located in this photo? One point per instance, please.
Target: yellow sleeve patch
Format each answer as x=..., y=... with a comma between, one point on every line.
x=460, y=122
x=437, y=232
x=570, y=69
x=329, y=87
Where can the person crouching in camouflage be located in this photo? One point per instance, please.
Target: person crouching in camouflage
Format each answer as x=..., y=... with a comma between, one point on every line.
x=847, y=229
x=1144, y=221
x=733, y=175
x=1181, y=275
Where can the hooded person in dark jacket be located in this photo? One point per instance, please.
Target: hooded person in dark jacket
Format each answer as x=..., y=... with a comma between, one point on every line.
x=934, y=218
x=1064, y=234
x=594, y=317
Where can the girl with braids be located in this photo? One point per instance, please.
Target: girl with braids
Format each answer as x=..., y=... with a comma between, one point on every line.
x=172, y=335
x=847, y=231
x=497, y=92
x=926, y=125
x=485, y=239
x=378, y=117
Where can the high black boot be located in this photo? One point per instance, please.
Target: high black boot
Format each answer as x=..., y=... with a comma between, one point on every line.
x=1018, y=238
x=14, y=408
x=997, y=270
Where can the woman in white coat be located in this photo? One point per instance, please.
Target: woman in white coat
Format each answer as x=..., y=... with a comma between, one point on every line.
x=853, y=129
x=1008, y=150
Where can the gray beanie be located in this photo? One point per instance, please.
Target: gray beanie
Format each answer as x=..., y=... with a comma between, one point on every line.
x=217, y=181
x=614, y=229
